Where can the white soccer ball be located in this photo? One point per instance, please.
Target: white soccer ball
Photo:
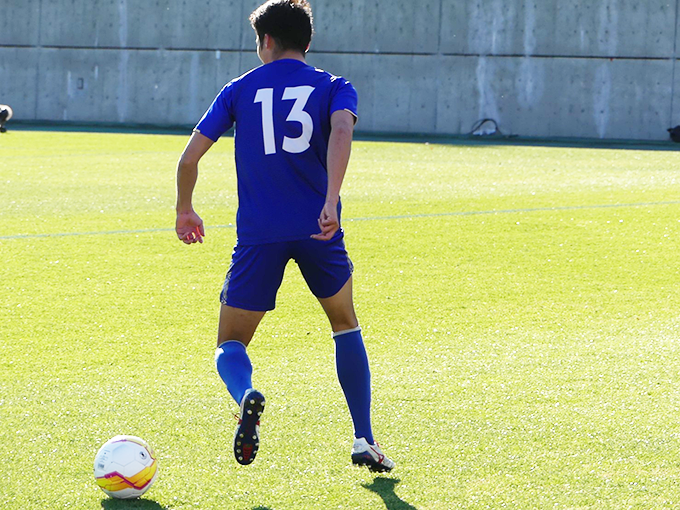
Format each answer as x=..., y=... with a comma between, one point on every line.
x=125, y=467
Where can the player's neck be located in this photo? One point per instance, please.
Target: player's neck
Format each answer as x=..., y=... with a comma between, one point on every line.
x=290, y=55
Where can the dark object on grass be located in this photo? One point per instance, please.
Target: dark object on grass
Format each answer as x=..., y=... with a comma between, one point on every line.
x=675, y=133
x=5, y=115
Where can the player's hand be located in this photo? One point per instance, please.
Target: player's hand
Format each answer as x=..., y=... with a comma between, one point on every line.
x=189, y=227
x=328, y=222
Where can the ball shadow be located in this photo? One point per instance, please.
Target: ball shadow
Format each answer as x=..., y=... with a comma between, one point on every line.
x=132, y=504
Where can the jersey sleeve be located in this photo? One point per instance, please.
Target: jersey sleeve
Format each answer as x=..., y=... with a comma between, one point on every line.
x=219, y=117
x=344, y=98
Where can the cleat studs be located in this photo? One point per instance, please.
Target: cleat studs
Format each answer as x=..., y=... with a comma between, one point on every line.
x=238, y=443
x=252, y=402
x=255, y=437
x=259, y=413
x=240, y=458
x=241, y=436
x=250, y=411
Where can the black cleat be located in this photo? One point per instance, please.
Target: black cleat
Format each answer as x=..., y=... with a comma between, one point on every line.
x=247, y=436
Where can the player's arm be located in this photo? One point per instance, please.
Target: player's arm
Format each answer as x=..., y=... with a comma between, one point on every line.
x=339, y=149
x=189, y=226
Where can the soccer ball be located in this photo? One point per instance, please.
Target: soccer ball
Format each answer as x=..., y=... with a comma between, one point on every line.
x=125, y=467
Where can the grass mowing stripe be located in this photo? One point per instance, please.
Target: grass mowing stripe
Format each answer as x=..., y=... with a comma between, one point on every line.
x=514, y=211
x=370, y=218
x=75, y=234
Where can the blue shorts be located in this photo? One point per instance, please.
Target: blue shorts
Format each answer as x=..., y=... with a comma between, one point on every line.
x=256, y=271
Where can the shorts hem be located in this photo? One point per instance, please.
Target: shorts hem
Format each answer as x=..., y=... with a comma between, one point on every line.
x=249, y=308
x=317, y=296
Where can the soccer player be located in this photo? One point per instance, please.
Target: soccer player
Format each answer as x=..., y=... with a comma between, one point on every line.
x=293, y=136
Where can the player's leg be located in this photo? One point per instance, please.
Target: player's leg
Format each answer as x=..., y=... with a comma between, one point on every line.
x=351, y=360
x=339, y=308
x=249, y=292
x=328, y=272
x=236, y=329
x=354, y=374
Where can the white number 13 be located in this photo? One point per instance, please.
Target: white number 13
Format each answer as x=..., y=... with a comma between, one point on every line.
x=297, y=114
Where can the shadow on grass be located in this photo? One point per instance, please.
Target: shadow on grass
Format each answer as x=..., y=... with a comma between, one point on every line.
x=143, y=504
x=132, y=504
x=384, y=487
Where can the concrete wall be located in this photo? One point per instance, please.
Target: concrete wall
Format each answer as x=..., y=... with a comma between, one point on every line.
x=598, y=68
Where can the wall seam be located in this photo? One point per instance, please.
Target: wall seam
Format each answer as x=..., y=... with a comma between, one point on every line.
x=439, y=67
x=673, y=61
x=241, y=40
x=332, y=52
x=37, y=67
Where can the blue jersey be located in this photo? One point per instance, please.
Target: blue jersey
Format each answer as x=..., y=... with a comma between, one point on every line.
x=282, y=113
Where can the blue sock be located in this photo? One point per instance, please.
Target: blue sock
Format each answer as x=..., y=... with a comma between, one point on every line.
x=234, y=367
x=354, y=375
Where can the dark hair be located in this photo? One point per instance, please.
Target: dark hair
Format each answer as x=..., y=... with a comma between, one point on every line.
x=289, y=22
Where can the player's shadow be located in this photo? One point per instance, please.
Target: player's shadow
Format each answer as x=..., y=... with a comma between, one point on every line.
x=384, y=487
x=132, y=504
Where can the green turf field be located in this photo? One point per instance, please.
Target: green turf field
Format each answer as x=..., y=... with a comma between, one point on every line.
x=520, y=306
